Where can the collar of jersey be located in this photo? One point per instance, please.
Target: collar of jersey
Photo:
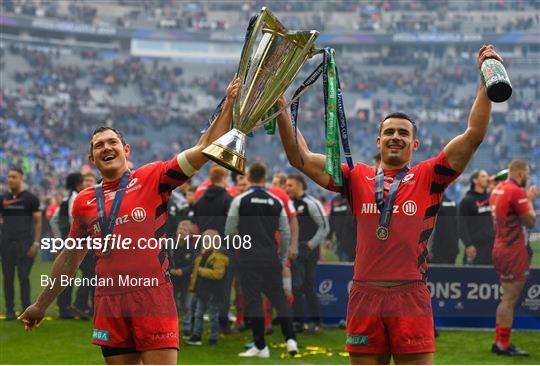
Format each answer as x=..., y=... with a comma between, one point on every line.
x=515, y=182
x=113, y=182
x=257, y=188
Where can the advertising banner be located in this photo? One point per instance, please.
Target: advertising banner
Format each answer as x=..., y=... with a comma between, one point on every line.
x=465, y=297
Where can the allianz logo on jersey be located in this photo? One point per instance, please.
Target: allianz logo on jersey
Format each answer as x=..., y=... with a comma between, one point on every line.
x=138, y=214
x=409, y=208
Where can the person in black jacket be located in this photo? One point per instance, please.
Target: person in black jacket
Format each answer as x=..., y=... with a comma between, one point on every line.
x=313, y=230
x=343, y=225
x=183, y=258
x=257, y=215
x=180, y=208
x=210, y=214
x=475, y=222
x=211, y=209
x=444, y=242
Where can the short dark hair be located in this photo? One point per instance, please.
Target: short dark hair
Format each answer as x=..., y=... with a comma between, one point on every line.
x=300, y=179
x=473, y=177
x=257, y=172
x=282, y=177
x=16, y=169
x=73, y=180
x=103, y=129
x=401, y=116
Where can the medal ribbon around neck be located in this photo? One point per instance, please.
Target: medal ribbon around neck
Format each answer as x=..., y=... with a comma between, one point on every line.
x=106, y=224
x=386, y=207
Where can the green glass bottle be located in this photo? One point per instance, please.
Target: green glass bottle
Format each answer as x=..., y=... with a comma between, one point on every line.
x=496, y=80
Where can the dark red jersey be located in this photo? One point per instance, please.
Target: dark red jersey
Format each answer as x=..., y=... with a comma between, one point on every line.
x=508, y=201
x=403, y=256
x=142, y=216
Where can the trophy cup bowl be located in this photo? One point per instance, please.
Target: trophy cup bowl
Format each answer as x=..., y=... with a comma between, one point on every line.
x=271, y=58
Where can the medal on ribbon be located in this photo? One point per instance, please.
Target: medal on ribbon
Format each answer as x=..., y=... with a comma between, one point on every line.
x=386, y=207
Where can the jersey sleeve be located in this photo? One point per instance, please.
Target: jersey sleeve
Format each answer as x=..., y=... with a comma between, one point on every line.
x=287, y=205
x=346, y=173
x=441, y=173
x=290, y=209
x=173, y=173
x=520, y=202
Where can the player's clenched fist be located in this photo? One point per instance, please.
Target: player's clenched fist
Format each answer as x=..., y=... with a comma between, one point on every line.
x=32, y=316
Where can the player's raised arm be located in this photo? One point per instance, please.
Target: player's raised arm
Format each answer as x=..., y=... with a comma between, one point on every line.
x=313, y=163
x=218, y=128
x=460, y=150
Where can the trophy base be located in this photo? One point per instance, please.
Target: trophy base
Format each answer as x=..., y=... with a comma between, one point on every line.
x=229, y=151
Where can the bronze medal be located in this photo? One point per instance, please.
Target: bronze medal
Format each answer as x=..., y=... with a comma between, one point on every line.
x=382, y=232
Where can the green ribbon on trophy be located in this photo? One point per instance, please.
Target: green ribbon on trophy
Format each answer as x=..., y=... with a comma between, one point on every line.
x=333, y=162
x=335, y=120
x=270, y=126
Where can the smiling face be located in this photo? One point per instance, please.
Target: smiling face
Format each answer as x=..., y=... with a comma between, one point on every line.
x=109, y=154
x=396, y=142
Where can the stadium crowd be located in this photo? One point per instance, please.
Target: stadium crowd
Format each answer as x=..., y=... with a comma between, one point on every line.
x=44, y=103
x=377, y=16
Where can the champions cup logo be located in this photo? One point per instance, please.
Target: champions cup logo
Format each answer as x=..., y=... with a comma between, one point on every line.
x=325, y=286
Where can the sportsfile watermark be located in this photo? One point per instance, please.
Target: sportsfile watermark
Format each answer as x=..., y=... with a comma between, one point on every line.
x=120, y=242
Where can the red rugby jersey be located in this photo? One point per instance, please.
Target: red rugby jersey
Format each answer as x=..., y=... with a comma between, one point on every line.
x=284, y=197
x=142, y=214
x=403, y=256
x=508, y=201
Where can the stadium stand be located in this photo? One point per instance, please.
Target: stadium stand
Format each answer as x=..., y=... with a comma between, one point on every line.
x=54, y=93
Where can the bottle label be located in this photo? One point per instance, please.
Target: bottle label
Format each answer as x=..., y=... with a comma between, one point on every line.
x=493, y=72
